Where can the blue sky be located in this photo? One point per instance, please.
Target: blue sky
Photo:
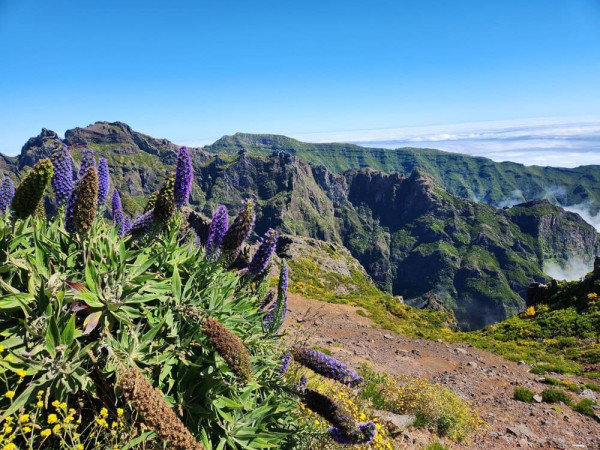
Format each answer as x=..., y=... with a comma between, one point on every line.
x=192, y=71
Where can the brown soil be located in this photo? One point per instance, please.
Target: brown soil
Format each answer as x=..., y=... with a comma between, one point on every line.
x=485, y=379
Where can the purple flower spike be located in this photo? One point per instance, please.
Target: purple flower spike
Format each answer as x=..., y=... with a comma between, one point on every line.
x=184, y=174
x=276, y=314
x=70, y=212
x=364, y=434
x=7, y=192
x=266, y=301
x=285, y=362
x=125, y=226
x=217, y=229
x=263, y=255
x=103, y=181
x=142, y=222
x=87, y=160
x=326, y=365
x=62, y=180
x=117, y=208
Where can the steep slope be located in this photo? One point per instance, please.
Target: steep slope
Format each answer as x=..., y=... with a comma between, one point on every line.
x=461, y=175
x=413, y=238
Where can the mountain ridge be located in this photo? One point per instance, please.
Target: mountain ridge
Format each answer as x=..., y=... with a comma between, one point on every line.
x=413, y=238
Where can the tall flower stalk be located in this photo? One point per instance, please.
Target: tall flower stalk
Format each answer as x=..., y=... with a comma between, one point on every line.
x=165, y=205
x=217, y=229
x=184, y=175
x=326, y=365
x=31, y=189
x=62, y=180
x=117, y=208
x=85, y=206
x=230, y=347
x=103, y=181
x=262, y=257
x=239, y=231
x=87, y=160
x=7, y=192
x=277, y=311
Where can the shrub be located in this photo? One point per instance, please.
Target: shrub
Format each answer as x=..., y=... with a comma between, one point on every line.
x=555, y=395
x=435, y=407
x=523, y=394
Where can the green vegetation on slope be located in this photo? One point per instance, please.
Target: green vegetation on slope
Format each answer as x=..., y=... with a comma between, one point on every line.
x=461, y=175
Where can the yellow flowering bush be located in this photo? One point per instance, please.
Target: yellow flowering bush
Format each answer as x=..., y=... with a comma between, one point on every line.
x=434, y=406
x=39, y=425
x=530, y=312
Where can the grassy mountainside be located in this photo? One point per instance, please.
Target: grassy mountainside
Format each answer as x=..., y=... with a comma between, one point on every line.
x=461, y=175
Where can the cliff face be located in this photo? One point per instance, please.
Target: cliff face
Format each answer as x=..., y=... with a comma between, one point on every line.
x=412, y=237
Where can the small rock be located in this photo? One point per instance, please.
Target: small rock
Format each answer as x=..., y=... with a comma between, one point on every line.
x=462, y=351
x=537, y=398
x=398, y=422
x=472, y=364
x=521, y=430
x=388, y=336
x=588, y=393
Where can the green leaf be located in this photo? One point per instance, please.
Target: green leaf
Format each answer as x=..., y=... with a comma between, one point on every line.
x=176, y=285
x=90, y=278
x=52, y=336
x=68, y=334
x=89, y=298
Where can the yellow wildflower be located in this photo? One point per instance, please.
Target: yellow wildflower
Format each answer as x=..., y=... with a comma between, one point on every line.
x=1, y=348
x=26, y=429
x=120, y=412
x=63, y=405
x=10, y=394
x=52, y=418
x=7, y=429
x=79, y=447
x=71, y=411
x=56, y=403
x=40, y=393
x=69, y=419
x=104, y=412
x=39, y=404
x=20, y=372
x=56, y=428
x=10, y=446
x=24, y=418
x=317, y=422
x=45, y=432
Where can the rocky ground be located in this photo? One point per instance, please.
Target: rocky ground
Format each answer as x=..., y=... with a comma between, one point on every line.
x=481, y=377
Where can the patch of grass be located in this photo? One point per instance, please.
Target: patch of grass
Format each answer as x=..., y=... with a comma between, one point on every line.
x=573, y=387
x=584, y=406
x=555, y=396
x=523, y=394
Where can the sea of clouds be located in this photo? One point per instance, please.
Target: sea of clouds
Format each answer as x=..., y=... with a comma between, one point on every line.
x=559, y=142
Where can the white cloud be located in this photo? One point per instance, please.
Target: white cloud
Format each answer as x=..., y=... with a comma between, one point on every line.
x=564, y=142
x=573, y=269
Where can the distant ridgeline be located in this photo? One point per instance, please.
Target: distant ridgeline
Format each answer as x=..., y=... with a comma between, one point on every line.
x=414, y=229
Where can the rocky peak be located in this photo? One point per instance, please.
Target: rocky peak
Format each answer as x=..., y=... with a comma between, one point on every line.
x=37, y=147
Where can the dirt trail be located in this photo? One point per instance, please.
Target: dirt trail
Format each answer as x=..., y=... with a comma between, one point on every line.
x=482, y=377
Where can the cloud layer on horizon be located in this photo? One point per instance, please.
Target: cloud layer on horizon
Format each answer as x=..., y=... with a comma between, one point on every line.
x=561, y=142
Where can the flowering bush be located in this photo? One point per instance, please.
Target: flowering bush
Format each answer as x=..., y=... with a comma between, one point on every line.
x=138, y=341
